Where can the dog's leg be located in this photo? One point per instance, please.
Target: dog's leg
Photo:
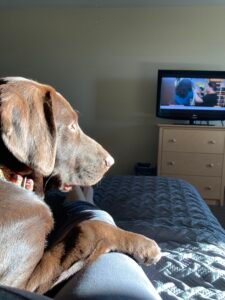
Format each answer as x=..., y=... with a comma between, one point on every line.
x=84, y=243
x=106, y=237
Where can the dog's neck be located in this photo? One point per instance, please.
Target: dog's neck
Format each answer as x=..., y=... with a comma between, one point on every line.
x=7, y=175
x=11, y=165
x=41, y=184
x=2, y=176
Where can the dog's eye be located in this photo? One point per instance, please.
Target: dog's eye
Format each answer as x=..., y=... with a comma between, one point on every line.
x=73, y=126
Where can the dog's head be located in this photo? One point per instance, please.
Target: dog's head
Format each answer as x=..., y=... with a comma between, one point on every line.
x=40, y=129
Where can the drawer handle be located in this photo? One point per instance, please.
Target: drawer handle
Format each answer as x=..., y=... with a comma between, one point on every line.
x=208, y=187
x=211, y=165
x=212, y=142
x=173, y=140
x=171, y=163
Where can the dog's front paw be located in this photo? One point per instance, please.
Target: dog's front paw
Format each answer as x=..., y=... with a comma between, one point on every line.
x=146, y=251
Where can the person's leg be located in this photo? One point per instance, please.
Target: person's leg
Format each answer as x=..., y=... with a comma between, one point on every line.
x=113, y=276
x=8, y=293
x=81, y=193
x=88, y=194
x=75, y=194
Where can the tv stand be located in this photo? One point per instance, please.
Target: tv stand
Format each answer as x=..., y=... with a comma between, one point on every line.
x=191, y=122
x=196, y=154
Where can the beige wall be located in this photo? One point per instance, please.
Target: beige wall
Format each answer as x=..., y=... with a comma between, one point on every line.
x=105, y=62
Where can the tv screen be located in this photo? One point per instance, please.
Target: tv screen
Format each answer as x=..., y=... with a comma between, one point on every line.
x=191, y=95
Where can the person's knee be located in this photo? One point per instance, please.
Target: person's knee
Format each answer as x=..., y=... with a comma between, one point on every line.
x=104, y=216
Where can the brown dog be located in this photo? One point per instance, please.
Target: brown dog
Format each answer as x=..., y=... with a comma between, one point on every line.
x=40, y=135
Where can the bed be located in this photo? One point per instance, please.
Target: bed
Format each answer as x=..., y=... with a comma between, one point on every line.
x=173, y=213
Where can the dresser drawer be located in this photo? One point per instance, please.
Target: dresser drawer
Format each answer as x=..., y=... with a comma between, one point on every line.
x=189, y=164
x=208, y=187
x=198, y=141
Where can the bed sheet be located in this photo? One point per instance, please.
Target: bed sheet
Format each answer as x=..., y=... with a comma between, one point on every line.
x=172, y=212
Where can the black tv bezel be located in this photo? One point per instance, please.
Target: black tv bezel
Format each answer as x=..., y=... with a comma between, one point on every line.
x=189, y=115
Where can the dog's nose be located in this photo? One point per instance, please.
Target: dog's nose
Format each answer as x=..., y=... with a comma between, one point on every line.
x=109, y=161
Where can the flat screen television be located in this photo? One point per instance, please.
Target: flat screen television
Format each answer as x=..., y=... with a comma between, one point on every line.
x=191, y=95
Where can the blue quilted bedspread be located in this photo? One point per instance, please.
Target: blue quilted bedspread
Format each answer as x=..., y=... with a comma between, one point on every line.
x=173, y=213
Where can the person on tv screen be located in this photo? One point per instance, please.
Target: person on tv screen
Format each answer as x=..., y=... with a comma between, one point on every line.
x=210, y=98
x=184, y=92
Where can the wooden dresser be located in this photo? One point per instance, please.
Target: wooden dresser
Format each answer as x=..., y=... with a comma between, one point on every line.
x=196, y=154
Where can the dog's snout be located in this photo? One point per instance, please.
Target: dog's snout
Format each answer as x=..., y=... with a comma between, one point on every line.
x=109, y=161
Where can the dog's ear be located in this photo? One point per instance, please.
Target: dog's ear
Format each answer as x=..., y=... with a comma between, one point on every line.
x=27, y=123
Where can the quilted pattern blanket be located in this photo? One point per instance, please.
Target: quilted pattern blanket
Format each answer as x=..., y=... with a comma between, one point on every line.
x=173, y=213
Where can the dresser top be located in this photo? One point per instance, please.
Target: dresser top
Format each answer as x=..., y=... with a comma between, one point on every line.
x=184, y=126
